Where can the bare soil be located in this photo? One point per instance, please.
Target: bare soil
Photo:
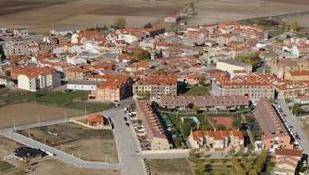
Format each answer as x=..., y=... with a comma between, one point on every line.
x=26, y=113
x=85, y=143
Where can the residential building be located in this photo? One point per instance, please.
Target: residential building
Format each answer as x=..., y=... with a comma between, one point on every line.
x=248, y=85
x=204, y=102
x=274, y=133
x=36, y=78
x=154, y=130
x=285, y=88
x=287, y=161
x=113, y=89
x=216, y=140
x=156, y=85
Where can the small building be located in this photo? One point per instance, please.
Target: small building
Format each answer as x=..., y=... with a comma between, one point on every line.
x=303, y=100
x=287, y=161
x=231, y=66
x=97, y=120
x=172, y=18
x=82, y=85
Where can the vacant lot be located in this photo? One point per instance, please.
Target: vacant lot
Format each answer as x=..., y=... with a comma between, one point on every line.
x=44, y=167
x=26, y=113
x=27, y=107
x=52, y=167
x=41, y=15
x=171, y=167
x=88, y=144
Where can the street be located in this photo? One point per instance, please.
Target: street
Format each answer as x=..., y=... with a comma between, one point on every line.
x=291, y=120
x=127, y=145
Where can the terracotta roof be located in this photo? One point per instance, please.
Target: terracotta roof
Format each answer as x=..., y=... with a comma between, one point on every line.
x=159, y=80
x=289, y=152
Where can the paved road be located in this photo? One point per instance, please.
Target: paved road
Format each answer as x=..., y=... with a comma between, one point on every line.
x=127, y=145
x=60, y=155
x=297, y=125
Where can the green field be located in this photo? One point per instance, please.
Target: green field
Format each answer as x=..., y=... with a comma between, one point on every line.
x=197, y=90
x=73, y=100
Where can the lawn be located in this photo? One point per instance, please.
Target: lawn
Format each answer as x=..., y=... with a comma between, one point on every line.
x=74, y=100
x=197, y=90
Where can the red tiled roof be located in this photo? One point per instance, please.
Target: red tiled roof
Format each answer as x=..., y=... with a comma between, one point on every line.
x=289, y=152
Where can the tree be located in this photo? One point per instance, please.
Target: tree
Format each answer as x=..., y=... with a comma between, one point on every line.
x=221, y=127
x=148, y=25
x=119, y=23
x=2, y=55
x=187, y=124
x=141, y=54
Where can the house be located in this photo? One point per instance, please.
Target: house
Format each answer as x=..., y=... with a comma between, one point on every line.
x=36, y=78
x=76, y=73
x=216, y=140
x=287, y=161
x=97, y=120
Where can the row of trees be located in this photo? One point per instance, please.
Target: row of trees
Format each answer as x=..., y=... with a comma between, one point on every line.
x=292, y=26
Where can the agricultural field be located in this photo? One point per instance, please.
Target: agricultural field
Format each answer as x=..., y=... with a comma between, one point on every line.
x=213, y=11
x=41, y=15
x=76, y=140
x=36, y=14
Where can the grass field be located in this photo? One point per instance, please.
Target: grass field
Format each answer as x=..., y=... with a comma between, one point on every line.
x=231, y=166
x=171, y=167
x=197, y=90
x=88, y=144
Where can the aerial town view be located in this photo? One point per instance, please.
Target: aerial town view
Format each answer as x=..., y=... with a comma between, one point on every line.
x=154, y=87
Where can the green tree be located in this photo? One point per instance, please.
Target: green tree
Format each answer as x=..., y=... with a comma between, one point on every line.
x=148, y=25
x=2, y=55
x=187, y=124
x=141, y=54
x=119, y=23
x=261, y=161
